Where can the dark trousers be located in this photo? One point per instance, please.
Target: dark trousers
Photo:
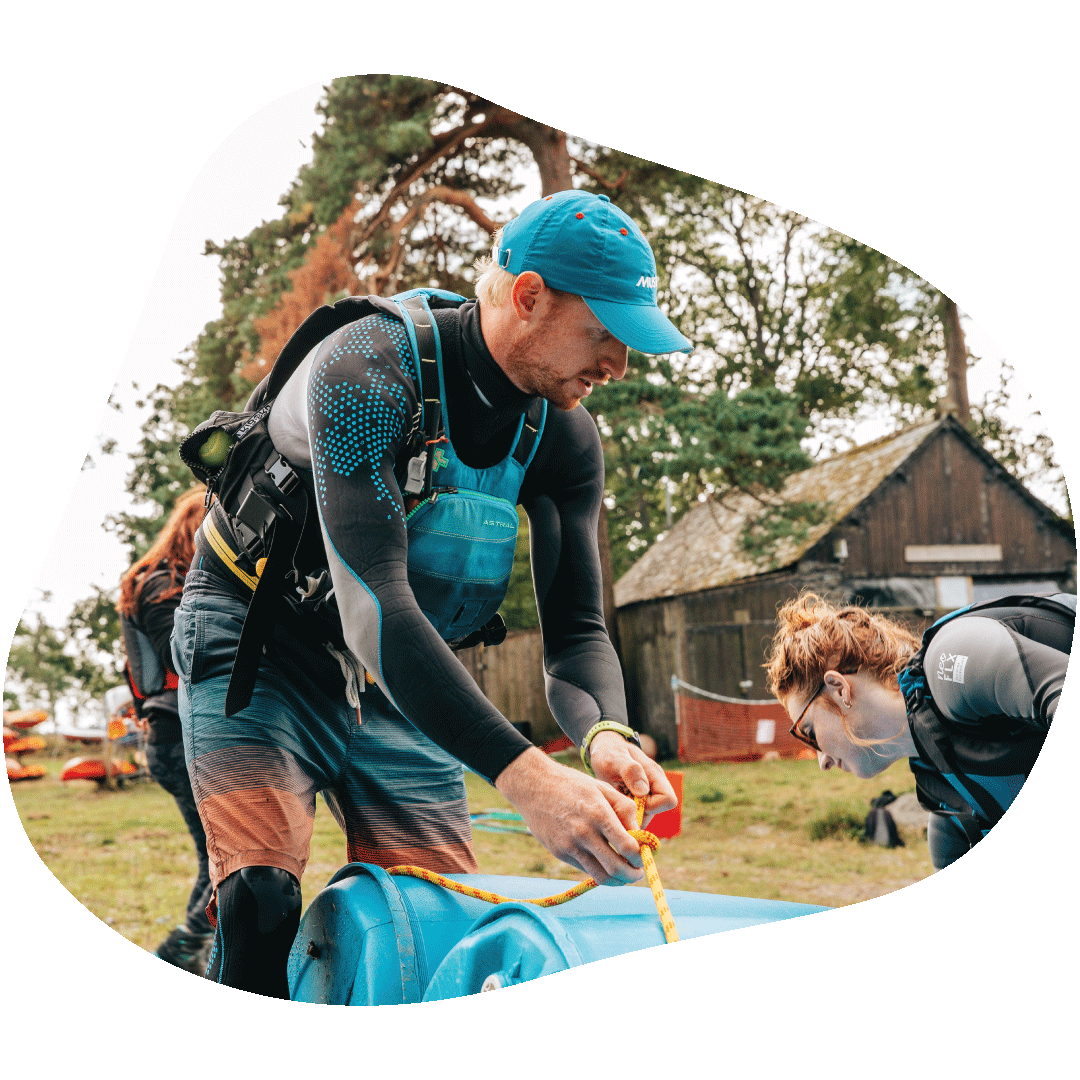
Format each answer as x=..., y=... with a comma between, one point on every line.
x=166, y=763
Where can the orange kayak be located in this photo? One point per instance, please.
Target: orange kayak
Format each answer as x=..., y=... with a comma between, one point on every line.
x=15, y=771
x=25, y=745
x=94, y=769
x=24, y=718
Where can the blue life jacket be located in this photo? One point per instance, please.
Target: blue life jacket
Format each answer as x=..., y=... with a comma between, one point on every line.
x=463, y=533
x=972, y=777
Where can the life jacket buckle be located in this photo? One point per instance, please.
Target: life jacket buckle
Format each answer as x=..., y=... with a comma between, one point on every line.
x=283, y=475
x=253, y=521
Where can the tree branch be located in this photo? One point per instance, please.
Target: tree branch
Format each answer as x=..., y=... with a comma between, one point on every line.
x=611, y=185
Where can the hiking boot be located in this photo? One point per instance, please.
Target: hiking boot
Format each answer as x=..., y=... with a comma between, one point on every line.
x=187, y=950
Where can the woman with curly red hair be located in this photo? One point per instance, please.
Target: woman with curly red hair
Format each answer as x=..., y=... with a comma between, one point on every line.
x=149, y=595
x=969, y=705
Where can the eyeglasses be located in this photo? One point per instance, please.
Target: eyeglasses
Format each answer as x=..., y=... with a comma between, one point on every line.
x=800, y=735
x=796, y=733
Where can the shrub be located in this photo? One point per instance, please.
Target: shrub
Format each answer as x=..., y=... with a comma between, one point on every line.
x=837, y=820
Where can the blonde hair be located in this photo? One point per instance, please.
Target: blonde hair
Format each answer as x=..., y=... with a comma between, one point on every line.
x=493, y=283
x=815, y=636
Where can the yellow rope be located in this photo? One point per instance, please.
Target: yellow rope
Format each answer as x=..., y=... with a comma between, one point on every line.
x=648, y=844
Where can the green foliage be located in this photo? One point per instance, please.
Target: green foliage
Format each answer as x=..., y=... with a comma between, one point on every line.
x=662, y=431
x=39, y=663
x=519, y=608
x=797, y=328
x=158, y=477
x=372, y=126
x=773, y=299
x=779, y=521
x=1030, y=458
x=93, y=634
x=78, y=661
x=385, y=141
x=820, y=326
x=838, y=820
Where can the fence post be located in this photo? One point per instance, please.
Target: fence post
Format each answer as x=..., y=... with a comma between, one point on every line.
x=678, y=721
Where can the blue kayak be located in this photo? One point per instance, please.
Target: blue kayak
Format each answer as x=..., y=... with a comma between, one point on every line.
x=372, y=939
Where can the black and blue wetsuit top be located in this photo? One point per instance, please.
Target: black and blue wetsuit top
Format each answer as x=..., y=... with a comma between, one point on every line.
x=994, y=684
x=344, y=419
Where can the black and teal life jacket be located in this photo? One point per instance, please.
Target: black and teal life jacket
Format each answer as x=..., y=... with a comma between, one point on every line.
x=151, y=685
x=462, y=527
x=970, y=774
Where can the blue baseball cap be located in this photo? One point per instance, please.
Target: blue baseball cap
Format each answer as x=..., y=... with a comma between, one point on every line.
x=583, y=244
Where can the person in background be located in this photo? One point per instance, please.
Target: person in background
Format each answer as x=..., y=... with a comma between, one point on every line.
x=969, y=705
x=149, y=595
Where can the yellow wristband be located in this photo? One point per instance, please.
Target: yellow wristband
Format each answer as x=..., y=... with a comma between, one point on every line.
x=629, y=734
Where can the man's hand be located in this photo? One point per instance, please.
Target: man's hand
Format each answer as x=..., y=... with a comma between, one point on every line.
x=627, y=767
x=581, y=821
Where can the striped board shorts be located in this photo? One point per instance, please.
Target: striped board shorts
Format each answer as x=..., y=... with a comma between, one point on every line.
x=397, y=796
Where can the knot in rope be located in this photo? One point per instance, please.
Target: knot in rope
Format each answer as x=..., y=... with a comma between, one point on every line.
x=645, y=839
x=647, y=842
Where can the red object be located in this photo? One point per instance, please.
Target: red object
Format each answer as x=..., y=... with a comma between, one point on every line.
x=669, y=823
x=559, y=744
x=27, y=744
x=15, y=771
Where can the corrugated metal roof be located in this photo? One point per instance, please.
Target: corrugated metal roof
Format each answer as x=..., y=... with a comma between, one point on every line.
x=703, y=549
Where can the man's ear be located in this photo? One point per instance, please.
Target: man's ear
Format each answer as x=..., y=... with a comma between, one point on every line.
x=525, y=293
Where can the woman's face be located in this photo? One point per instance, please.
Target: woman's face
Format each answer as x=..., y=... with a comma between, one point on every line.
x=871, y=710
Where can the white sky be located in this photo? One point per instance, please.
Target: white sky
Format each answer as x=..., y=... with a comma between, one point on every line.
x=237, y=188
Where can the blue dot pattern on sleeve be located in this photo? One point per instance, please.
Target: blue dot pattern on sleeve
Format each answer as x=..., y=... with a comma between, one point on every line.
x=355, y=418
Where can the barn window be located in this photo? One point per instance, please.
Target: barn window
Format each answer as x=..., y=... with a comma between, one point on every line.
x=953, y=591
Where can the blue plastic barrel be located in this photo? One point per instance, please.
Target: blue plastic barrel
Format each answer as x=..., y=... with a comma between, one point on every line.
x=372, y=939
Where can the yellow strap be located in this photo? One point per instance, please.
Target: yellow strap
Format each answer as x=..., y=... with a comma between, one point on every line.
x=647, y=841
x=228, y=557
x=226, y=553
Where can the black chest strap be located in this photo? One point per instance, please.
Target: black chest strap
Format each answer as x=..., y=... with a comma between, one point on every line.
x=273, y=526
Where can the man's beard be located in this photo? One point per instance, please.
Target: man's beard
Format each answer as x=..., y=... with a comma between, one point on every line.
x=526, y=367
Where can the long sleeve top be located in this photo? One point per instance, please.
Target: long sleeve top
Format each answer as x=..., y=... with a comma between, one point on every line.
x=343, y=419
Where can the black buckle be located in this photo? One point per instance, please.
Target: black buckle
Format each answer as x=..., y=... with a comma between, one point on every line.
x=253, y=521
x=493, y=632
x=283, y=475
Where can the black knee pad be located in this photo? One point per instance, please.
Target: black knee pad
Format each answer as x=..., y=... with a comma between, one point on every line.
x=276, y=892
x=258, y=910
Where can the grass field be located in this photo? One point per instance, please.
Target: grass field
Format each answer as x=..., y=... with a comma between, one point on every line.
x=747, y=829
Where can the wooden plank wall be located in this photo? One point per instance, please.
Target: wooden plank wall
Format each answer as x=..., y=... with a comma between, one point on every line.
x=511, y=676
x=947, y=494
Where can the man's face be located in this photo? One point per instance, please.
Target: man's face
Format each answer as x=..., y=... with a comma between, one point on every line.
x=565, y=352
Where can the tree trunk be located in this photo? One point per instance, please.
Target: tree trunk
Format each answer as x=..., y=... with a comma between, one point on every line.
x=604, y=543
x=548, y=146
x=956, y=356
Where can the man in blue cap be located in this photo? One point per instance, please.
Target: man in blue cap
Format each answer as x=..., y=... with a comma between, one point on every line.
x=416, y=480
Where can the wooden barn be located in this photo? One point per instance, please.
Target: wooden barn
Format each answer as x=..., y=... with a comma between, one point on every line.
x=919, y=522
